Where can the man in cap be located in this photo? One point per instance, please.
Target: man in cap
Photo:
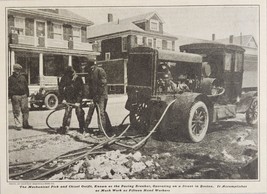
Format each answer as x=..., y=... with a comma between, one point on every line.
x=71, y=91
x=97, y=81
x=18, y=92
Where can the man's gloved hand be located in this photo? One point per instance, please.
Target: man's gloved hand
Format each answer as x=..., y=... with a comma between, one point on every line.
x=77, y=104
x=63, y=101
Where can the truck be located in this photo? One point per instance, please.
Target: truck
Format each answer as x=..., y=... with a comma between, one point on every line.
x=187, y=90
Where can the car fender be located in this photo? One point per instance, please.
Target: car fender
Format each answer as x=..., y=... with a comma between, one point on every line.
x=245, y=101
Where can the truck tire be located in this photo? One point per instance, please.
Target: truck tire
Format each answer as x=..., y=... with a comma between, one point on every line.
x=51, y=101
x=139, y=117
x=252, y=112
x=198, y=121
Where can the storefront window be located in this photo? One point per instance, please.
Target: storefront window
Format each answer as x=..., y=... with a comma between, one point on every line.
x=54, y=65
x=30, y=64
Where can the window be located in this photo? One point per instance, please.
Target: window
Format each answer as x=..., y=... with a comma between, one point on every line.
x=29, y=27
x=173, y=45
x=83, y=34
x=107, y=56
x=40, y=28
x=228, y=60
x=57, y=31
x=169, y=45
x=124, y=44
x=238, y=62
x=150, y=42
x=19, y=25
x=54, y=65
x=76, y=34
x=67, y=32
x=154, y=25
x=159, y=43
x=144, y=41
x=50, y=30
x=164, y=44
x=139, y=40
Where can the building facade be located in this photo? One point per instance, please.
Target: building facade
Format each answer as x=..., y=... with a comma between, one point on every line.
x=116, y=38
x=45, y=41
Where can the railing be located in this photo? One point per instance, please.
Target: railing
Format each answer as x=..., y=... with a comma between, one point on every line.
x=52, y=43
x=82, y=46
x=29, y=40
x=57, y=43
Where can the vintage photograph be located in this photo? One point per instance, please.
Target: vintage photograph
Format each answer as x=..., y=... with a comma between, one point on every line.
x=133, y=93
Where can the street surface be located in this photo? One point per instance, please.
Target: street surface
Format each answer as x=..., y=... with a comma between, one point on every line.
x=227, y=148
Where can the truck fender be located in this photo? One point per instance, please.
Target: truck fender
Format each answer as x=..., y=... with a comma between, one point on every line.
x=179, y=111
x=245, y=101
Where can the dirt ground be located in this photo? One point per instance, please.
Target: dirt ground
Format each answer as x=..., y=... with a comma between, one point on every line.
x=227, y=152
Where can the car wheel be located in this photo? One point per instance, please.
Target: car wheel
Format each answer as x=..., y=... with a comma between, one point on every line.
x=198, y=121
x=252, y=112
x=51, y=101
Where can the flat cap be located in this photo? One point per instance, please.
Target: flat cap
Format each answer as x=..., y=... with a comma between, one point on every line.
x=17, y=67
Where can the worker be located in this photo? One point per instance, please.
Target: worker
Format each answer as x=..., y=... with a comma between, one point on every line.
x=18, y=92
x=165, y=80
x=71, y=91
x=97, y=81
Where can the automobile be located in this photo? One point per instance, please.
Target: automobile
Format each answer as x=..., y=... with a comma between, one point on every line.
x=185, y=95
x=47, y=96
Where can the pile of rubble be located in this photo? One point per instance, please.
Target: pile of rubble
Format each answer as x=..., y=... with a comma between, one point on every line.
x=114, y=165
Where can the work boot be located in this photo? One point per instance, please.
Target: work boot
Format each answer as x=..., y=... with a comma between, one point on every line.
x=81, y=130
x=87, y=130
x=62, y=130
x=18, y=128
x=27, y=126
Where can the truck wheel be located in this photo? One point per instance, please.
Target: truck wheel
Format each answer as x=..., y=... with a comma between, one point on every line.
x=198, y=121
x=139, y=117
x=252, y=112
x=51, y=101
